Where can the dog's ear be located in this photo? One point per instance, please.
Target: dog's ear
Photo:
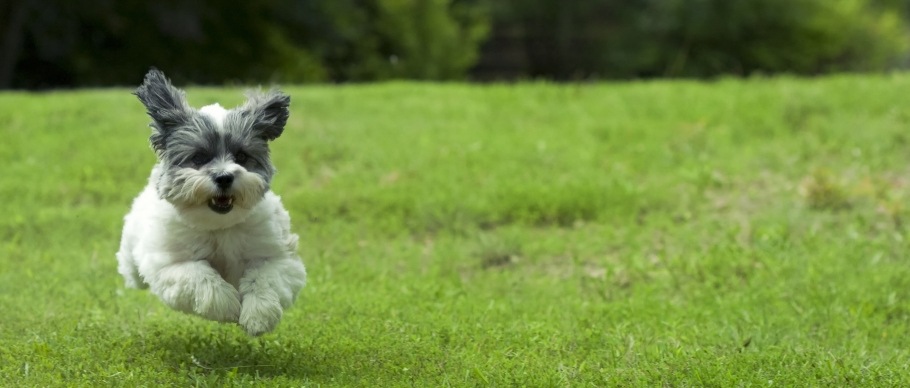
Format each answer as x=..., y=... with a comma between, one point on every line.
x=165, y=104
x=268, y=112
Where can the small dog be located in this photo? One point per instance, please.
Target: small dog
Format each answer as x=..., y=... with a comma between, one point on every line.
x=207, y=235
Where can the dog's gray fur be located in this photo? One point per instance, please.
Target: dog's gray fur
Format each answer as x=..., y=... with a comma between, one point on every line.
x=183, y=138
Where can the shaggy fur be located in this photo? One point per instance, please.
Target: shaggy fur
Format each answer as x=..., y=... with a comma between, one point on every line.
x=206, y=235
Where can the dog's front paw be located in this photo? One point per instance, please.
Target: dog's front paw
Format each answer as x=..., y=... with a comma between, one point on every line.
x=217, y=301
x=260, y=313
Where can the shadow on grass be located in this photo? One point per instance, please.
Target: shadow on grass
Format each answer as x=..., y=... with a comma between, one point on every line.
x=225, y=351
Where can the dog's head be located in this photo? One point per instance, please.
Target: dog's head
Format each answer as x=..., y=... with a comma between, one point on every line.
x=212, y=159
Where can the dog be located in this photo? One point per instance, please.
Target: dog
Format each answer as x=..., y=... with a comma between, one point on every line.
x=207, y=235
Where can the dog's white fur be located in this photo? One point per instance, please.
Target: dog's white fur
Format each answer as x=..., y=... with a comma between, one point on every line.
x=236, y=267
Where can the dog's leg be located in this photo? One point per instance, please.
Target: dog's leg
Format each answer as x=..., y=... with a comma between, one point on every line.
x=266, y=289
x=195, y=287
x=128, y=270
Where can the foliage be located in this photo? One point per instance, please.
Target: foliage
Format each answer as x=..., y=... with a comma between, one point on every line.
x=619, y=234
x=65, y=43
x=701, y=38
x=381, y=39
x=804, y=36
x=110, y=42
x=431, y=39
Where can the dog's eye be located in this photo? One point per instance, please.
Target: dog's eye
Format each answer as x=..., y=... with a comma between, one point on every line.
x=200, y=159
x=240, y=157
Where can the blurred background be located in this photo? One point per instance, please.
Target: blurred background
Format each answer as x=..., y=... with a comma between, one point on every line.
x=66, y=43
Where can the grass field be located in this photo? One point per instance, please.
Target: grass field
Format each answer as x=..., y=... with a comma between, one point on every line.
x=739, y=232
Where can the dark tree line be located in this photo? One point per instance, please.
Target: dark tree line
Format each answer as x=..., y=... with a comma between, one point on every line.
x=695, y=38
x=66, y=43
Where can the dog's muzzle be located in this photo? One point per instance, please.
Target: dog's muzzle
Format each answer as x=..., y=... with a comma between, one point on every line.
x=221, y=204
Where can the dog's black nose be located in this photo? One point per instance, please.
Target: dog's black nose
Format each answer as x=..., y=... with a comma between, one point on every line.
x=224, y=180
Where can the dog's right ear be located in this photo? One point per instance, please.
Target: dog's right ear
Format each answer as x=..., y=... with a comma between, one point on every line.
x=165, y=104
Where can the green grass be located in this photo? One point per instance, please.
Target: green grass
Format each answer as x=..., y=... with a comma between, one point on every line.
x=739, y=232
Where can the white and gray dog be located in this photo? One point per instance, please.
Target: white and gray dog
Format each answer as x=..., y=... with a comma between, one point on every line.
x=207, y=235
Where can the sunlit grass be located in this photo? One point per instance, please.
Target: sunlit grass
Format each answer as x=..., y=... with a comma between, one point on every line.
x=736, y=232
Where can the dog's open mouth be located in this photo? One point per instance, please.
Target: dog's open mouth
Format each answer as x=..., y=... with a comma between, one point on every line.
x=221, y=204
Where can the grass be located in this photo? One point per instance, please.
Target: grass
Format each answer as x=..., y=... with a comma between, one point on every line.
x=739, y=232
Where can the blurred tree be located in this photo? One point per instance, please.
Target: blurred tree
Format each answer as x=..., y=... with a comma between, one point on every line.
x=12, y=23
x=52, y=43
x=63, y=42
x=572, y=39
x=380, y=39
x=702, y=38
x=431, y=39
x=711, y=37
x=108, y=42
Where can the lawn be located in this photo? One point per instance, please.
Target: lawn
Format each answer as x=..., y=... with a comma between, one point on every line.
x=737, y=232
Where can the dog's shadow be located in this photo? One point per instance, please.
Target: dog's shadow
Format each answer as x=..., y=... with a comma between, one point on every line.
x=224, y=350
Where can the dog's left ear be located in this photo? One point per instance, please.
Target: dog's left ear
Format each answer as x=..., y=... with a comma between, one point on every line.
x=268, y=112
